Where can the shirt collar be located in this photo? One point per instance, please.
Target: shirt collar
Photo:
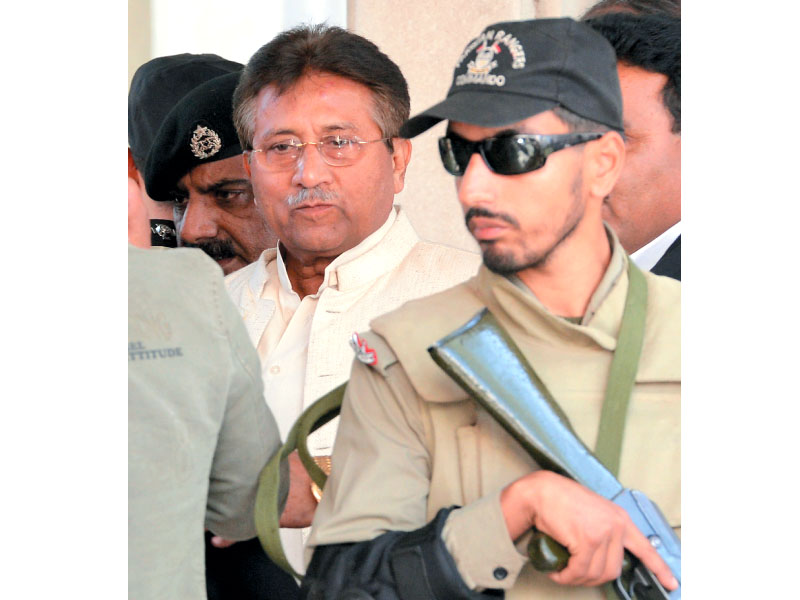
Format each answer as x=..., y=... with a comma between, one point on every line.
x=603, y=313
x=334, y=271
x=648, y=255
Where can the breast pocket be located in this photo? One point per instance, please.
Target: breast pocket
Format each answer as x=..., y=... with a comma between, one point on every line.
x=469, y=462
x=489, y=458
x=651, y=450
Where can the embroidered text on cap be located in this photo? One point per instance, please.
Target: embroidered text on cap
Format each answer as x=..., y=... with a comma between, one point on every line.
x=487, y=46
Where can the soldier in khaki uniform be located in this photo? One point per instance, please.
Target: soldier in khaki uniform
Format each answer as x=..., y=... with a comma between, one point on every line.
x=429, y=497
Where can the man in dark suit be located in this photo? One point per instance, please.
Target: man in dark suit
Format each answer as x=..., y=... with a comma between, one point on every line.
x=670, y=262
x=644, y=208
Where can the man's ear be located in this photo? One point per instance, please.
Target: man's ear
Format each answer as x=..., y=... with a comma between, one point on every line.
x=133, y=172
x=605, y=158
x=138, y=221
x=246, y=159
x=400, y=158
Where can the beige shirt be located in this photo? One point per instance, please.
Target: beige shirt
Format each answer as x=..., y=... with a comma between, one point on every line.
x=411, y=443
x=304, y=344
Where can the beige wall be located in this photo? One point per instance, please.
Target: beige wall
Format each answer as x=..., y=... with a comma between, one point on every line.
x=139, y=35
x=424, y=40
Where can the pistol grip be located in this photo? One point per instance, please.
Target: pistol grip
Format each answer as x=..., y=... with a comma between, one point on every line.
x=546, y=554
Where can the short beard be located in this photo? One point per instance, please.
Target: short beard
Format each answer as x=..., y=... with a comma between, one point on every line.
x=305, y=194
x=216, y=248
x=505, y=263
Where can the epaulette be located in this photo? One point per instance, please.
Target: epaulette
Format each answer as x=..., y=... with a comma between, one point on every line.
x=372, y=350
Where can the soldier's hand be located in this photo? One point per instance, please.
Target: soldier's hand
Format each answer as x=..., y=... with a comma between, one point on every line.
x=594, y=530
x=301, y=504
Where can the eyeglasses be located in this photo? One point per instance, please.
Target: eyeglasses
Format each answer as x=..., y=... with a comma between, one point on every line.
x=511, y=154
x=336, y=150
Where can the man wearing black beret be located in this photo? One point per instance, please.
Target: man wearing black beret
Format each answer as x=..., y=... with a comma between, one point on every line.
x=195, y=163
x=155, y=88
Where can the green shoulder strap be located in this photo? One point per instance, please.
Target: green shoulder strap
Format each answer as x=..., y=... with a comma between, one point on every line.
x=622, y=374
x=621, y=378
x=273, y=483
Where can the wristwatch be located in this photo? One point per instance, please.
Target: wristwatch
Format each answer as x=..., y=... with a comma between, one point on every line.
x=324, y=463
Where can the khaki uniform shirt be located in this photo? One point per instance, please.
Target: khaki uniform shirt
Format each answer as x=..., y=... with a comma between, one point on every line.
x=198, y=430
x=304, y=344
x=411, y=443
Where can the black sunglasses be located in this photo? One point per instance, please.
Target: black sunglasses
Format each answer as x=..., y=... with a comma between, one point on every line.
x=509, y=154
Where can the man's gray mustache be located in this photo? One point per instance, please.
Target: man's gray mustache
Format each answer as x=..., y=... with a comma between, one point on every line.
x=307, y=194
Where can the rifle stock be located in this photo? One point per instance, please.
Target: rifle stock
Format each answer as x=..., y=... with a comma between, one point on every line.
x=515, y=396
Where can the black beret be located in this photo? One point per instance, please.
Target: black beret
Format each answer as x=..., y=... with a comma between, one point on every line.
x=158, y=85
x=198, y=130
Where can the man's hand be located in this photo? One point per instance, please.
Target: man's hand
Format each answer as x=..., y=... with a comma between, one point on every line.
x=593, y=529
x=301, y=504
x=221, y=542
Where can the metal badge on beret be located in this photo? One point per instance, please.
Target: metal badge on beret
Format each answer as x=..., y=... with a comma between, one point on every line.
x=205, y=142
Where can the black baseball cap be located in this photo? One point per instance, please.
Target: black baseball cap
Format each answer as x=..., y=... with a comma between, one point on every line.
x=158, y=85
x=198, y=130
x=516, y=69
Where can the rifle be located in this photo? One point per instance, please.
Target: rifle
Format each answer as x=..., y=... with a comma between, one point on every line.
x=515, y=396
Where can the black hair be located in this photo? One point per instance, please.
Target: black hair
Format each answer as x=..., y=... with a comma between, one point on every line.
x=321, y=49
x=651, y=42
x=670, y=8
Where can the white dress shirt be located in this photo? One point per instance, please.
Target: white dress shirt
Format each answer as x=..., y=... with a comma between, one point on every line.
x=648, y=255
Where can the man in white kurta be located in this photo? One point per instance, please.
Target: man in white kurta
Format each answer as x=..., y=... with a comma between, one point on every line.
x=325, y=162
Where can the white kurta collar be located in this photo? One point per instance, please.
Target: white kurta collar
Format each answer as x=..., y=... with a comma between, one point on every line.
x=331, y=278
